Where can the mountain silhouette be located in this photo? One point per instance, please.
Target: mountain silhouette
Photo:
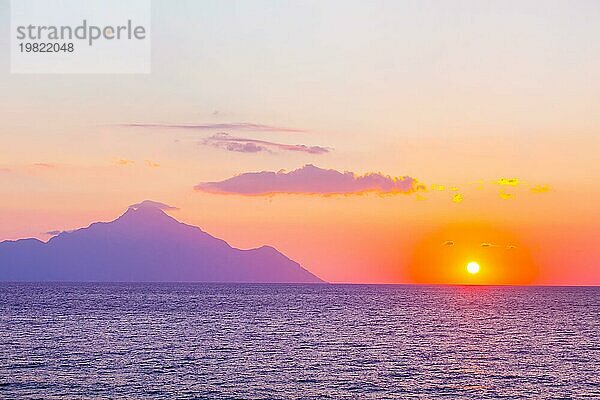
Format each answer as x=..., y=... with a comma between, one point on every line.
x=144, y=244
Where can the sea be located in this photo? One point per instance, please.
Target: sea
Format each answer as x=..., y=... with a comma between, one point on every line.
x=280, y=341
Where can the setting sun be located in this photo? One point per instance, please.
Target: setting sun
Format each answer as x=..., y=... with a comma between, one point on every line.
x=472, y=267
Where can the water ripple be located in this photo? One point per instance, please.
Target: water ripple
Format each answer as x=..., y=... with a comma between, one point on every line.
x=155, y=341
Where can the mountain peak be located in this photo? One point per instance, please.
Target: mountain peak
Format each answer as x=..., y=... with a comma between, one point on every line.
x=147, y=212
x=151, y=204
x=145, y=244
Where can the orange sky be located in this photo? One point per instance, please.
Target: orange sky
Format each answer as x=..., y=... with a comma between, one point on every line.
x=455, y=96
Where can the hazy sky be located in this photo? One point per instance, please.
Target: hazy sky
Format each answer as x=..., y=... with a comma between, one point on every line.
x=454, y=93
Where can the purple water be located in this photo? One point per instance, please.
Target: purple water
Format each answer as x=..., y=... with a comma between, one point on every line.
x=94, y=341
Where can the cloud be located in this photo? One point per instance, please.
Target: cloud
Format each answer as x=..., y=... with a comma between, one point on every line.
x=241, y=147
x=508, y=181
x=125, y=162
x=450, y=243
x=502, y=246
x=506, y=196
x=540, y=189
x=310, y=180
x=153, y=204
x=232, y=126
x=44, y=165
x=152, y=164
x=457, y=198
x=57, y=232
x=245, y=145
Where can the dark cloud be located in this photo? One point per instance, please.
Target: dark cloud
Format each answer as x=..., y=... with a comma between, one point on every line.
x=310, y=180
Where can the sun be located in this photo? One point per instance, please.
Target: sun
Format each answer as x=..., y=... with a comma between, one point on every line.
x=473, y=267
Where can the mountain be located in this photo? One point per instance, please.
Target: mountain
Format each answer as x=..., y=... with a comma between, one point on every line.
x=144, y=244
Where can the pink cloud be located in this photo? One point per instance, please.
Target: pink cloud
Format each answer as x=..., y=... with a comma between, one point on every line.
x=310, y=180
x=232, y=126
x=246, y=145
x=153, y=204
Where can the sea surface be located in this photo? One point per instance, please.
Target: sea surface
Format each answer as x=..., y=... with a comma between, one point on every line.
x=218, y=341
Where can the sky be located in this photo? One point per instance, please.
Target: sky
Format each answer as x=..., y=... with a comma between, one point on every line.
x=391, y=141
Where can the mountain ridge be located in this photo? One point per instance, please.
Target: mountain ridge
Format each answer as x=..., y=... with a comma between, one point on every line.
x=145, y=244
